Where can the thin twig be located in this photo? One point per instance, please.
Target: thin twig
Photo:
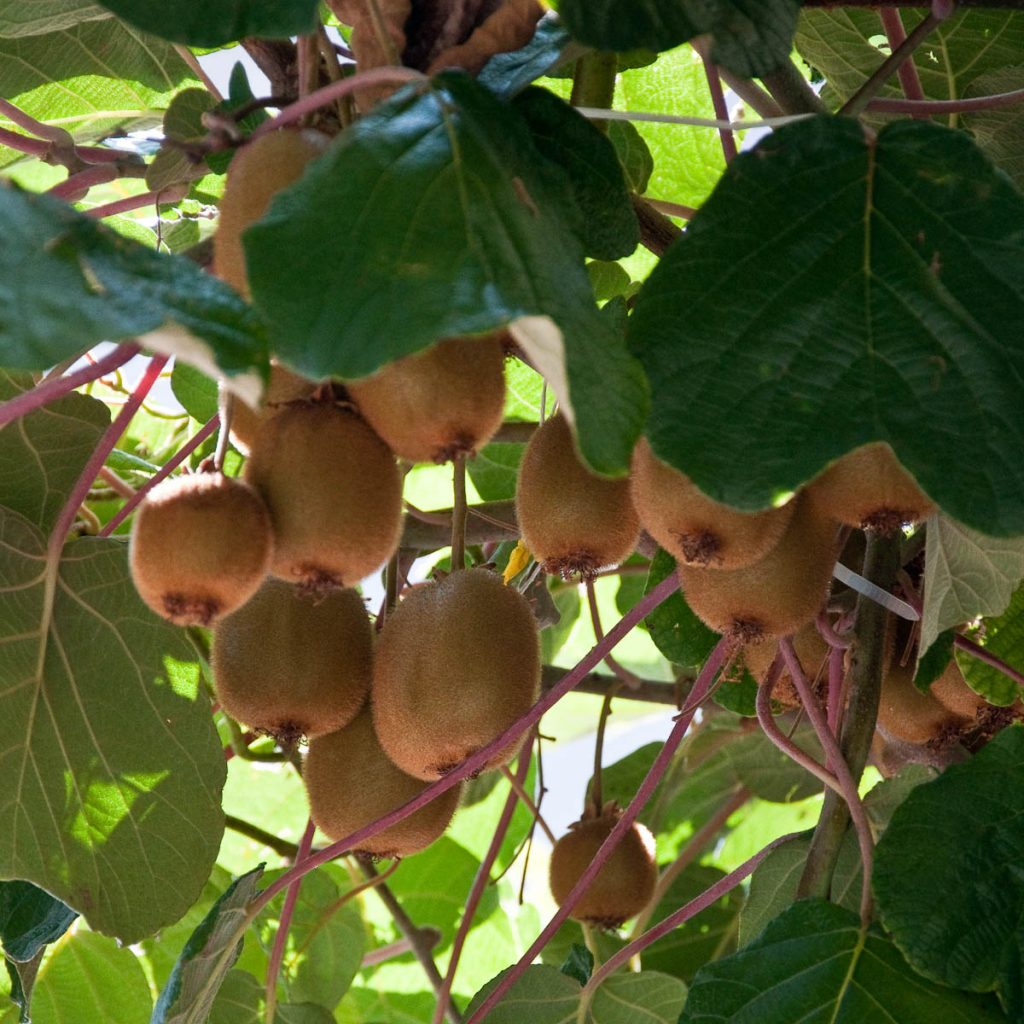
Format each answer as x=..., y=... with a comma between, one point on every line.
x=726, y=137
x=268, y=839
x=459, y=513
x=628, y=678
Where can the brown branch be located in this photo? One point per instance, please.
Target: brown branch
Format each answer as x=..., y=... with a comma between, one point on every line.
x=268, y=839
x=657, y=232
x=648, y=691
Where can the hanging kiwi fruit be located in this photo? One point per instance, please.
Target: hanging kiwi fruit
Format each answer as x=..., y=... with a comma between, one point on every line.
x=282, y=388
x=292, y=666
x=776, y=595
x=811, y=650
x=334, y=492
x=351, y=782
x=438, y=404
x=692, y=527
x=258, y=171
x=907, y=714
x=626, y=881
x=458, y=661
x=869, y=489
x=200, y=547
x=573, y=521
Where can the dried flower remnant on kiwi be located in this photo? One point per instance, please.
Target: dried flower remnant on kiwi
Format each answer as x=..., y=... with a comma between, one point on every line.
x=573, y=521
x=692, y=527
x=334, y=492
x=200, y=547
x=625, y=883
x=868, y=488
x=290, y=665
x=438, y=404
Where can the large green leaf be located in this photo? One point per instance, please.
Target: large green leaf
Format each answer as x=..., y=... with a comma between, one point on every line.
x=1000, y=131
x=113, y=764
x=1002, y=636
x=751, y=37
x=814, y=963
x=67, y=282
x=429, y=218
x=18, y=18
x=30, y=919
x=92, y=77
x=947, y=874
x=42, y=454
x=877, y=275
x=218, y=21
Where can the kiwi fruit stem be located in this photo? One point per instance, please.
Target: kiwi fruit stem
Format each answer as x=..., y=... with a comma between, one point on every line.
x=595, y=800
x=458, y=513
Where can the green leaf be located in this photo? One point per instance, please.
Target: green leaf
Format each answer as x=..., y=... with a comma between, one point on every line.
x=42, y=454
x=207, y=957
x=769, y=773
x=183, y=123
x=125, y=462
x=626, y=998
x=567, y=602
x=608, y=280
x=543, y=995
x=634, y=155
x=1004, y=637
x=67, y=282
x=30, y=919
x=218, y=21
x=1000, y=131
x=967, y=575
x=738, y=695
x=814, y=963
x=934, y=661
x=89, y=977
x=608, y=228
x=960, y=837
x=18, y=18
x=196, y=391
x=239, y=1000
x=579, y=964
x=750, y=37
x=508, y=73
x=494, y=470
x=903, y=282
x=674, y=628
x=96, y=76
x=455, y=219
x=110, y=749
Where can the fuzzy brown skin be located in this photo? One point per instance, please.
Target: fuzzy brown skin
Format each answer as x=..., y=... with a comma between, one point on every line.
x=438, y=404
x=772, y=597
x=283, y=387
x=291, y=666
x=953, y=693
x=457, y=663
x=573, y=521
x=200, y=547
x=810, y=648
x=692, y=527
x=869, y=489
x=623, y=886
x=350, y=782
x=907, y=714
x=257, y=173
x=334, y=492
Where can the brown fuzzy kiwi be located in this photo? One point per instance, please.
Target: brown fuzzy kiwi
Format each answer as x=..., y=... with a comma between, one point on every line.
x=438, y=404
x=953, y=693
x=457, y=663
x=282, y=388
x=571, y=520
x=869, y=489
x=778, y=594
x=256, y=174
x=905, y=713
x=351, y=782
x=200, y=547
x=692, y=527
x=334, y=492
x=626, y=881
x=292, y=666
x=811, y=650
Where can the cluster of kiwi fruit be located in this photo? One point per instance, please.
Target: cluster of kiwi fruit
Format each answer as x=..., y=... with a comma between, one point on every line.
x=270, y=562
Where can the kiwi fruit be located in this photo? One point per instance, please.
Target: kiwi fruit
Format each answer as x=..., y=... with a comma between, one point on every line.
x=626, y=881
x=776, y=595
x=573, y=521
x=334, y=492
x=258, y=171
x=869, y=489
x=292, y=666
x=953, y=693
x=438, y=404
x=283, y=387
x=812, y=651
x=351, y=782
x=692, y=527
x=458, y=661
x=200, y=547
x=905, y=713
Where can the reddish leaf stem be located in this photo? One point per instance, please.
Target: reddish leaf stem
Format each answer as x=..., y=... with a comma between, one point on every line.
x=843, y=775
x=165, y=471
x=834, y=711
x=55, y=387
x=76, y=186
x=166, y=195
x=483, y=877
x=894, y=105
x=982, y=654
x=701, y=688
x=284, y=924
x=473, y=764
x=725, y=135
x=24, y=144
x=892, y=24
